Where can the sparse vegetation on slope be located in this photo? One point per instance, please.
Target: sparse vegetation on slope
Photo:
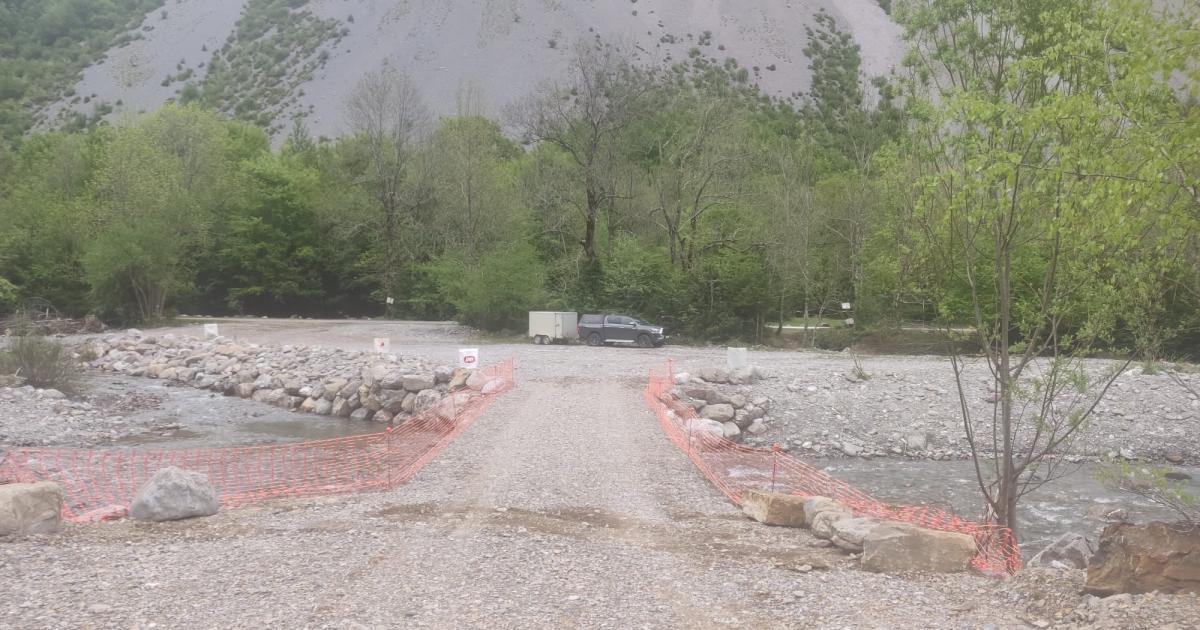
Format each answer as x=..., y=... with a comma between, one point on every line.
x=45, y=44
x=276, y=46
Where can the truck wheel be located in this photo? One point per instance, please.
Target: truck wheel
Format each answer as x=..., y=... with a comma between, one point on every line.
x=644, y=341
x=594, y=339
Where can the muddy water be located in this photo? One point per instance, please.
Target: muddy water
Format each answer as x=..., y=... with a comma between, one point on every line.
x=195, y=418
x=1072, y=503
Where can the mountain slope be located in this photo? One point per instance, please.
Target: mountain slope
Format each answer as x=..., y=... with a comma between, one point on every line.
x=290, y=57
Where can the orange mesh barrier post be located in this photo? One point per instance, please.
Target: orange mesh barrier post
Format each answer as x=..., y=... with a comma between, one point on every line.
x=100, y=484
x=734, y=468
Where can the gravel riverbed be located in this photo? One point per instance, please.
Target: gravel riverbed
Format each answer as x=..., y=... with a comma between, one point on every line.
x=562, y=506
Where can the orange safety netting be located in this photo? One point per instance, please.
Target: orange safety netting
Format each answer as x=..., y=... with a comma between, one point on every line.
x=735, y=468
x=100, y=484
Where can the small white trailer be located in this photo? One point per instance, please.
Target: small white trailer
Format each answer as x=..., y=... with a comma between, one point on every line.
x=553, y=326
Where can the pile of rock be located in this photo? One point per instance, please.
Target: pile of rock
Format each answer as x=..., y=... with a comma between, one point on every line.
x=737, y=413
x=881, y=546
x=330, y=382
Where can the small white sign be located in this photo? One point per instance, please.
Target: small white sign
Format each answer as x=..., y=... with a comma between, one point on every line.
x=850, y=321
x=391, y=300
x=210, y=331
x=845, y=306
x=735, y=358
x=468, y=358
x=383, y=345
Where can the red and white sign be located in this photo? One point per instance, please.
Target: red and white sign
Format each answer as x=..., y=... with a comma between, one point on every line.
x=383, y=345
x=468, y=358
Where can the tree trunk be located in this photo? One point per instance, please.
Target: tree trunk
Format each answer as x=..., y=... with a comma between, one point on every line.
x=589, y=230
x=1006, y=498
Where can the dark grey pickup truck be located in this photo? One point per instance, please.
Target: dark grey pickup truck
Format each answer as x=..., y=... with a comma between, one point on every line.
x=598, y=330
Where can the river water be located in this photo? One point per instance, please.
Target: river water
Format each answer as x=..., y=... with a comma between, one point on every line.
x=1071, y=503
x=194, y=418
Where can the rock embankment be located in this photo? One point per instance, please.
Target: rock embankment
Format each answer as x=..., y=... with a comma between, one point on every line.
x=363, y=386
x=881, y=546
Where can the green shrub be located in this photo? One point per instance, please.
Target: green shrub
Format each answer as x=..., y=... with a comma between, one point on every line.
x=41, y=361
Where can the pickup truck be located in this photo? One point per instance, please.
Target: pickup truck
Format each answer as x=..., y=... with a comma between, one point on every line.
x=598, y=330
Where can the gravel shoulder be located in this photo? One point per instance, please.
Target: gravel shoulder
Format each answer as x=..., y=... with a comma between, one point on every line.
x=562, y=506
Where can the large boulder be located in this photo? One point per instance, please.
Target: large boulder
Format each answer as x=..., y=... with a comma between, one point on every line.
x=897, y=548
x=774, y=508
x=341, y=408
x=713, y=375
x=706, y=394
x=172, y=494
x=743, y=375
x=391, y=399
x=704, y=425
x=459, y=379
x=720, y=412
x=1070, y=551
x=350, y=389
x=333, y=387
x=362, y=414
x=322, y=407
x=815, y=505
x=1143, y=558
x=30, y=508
x=419, y=382
x=477, y=380
x=823, y=523
x=443, y=374
x=849, y=533
x=426, y=399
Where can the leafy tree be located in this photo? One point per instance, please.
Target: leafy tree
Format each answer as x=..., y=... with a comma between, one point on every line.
x=390, y=120
x=156, y=192
x=583, y=119
x=1026, y=203
x=494, y=292
x=269, y=257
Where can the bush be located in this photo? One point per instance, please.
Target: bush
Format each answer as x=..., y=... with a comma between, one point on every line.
x=42, y=362
x=8, y=296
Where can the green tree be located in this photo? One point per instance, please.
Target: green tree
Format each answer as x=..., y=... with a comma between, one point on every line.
x=156, y=193
x=1027, y=202
x=269, y=255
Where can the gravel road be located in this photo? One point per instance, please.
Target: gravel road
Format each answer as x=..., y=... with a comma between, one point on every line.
x=562, y=506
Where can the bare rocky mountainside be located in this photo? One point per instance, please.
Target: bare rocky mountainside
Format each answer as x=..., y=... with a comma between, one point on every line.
x=271, y=60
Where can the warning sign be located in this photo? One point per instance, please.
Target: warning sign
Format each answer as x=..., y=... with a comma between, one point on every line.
x=383, y=345
x=468, y=358
x=391, y=300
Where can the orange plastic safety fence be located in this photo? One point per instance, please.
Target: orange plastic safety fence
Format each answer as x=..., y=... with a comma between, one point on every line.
x=100, y=484
x=735, y=468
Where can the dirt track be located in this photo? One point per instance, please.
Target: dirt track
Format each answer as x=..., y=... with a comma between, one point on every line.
x=563, y=506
